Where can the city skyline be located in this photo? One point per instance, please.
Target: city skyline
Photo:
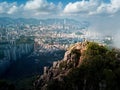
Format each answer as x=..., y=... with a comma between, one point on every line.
x=103, y=15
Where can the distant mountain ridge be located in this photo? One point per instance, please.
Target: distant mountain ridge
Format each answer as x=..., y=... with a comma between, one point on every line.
x=7, y=20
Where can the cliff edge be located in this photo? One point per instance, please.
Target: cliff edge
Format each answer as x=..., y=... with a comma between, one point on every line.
x=84, y=67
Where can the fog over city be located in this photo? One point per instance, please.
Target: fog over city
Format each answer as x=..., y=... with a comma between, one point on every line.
x=107, y=26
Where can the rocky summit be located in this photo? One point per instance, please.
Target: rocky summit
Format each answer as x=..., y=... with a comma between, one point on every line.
x=85, y=66
x=60, y=69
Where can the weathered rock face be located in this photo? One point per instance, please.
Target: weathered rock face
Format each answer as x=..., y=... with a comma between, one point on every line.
x=85, y=66
x=13, y=53
x=60, y=69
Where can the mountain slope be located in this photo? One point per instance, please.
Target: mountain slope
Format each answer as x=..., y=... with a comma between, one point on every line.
x=86, y=66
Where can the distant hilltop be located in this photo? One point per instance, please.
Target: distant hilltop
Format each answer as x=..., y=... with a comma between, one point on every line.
x=85, y=66
x=48, y=21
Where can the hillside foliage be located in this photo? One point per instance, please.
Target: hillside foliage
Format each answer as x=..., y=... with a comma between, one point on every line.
x=99, y=70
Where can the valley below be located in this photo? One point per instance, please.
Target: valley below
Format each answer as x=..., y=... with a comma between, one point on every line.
x=29, y=67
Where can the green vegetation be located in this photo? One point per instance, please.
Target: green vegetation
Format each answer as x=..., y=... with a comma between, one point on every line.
x=25, y=83
x=23, y=40
x=6, y=86
x=79, y=33
x=19, y=84
x=99, y=70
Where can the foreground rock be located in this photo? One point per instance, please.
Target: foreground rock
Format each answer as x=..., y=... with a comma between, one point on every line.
x=60, y=69
x=85, y=66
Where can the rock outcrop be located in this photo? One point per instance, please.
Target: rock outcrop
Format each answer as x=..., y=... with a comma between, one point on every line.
x=13, y=52
x=72, y=58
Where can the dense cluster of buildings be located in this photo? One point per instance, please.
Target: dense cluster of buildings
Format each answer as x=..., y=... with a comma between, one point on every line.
x=17, y=40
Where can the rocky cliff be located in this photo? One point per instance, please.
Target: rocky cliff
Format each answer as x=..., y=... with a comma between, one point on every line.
x=72, y=58
x=85, y=66
x=13, y=52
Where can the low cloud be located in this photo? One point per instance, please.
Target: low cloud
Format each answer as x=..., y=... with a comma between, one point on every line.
x=106, y=26
x=39, y=8
x=42, y=6
x=92, y=7
x=80, y=7
x=116, y=41
x=8, y=8
x=32, y=8
x=12, y=10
